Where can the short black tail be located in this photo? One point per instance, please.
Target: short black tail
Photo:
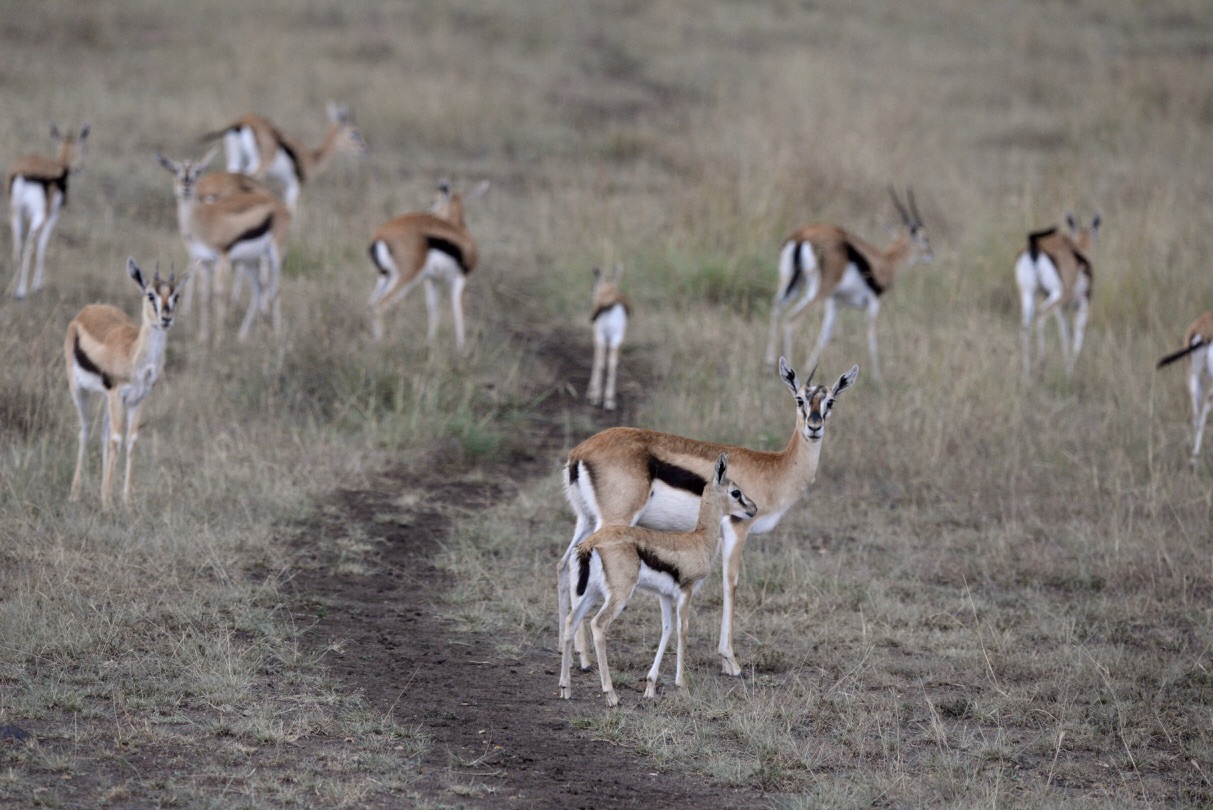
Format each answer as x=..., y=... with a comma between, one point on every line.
x=583, y=570
x=1182, y=353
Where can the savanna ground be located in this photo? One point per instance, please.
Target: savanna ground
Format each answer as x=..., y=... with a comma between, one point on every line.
x=998, y=592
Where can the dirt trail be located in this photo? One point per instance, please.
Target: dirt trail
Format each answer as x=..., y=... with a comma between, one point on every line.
x=498, y=718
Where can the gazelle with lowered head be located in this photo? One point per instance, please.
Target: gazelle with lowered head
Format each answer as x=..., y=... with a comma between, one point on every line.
x=633, y=477
x=242, y=228
x=256, y=147
x=432, y=247
x=826, y=263
x=616, y=561
x=37, y=191
x=108, y=354
x=1197, y=349
x=1054, y=266
x=610, y=315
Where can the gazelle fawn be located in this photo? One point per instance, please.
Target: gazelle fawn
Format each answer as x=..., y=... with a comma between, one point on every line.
x=1055, y=266
x=610, y=315
x=828, y=264
x=1200, y=374
x=107, y=353
x=256, y=147
x=615, y=561
x=242, y=229
x=433, y=247
x=634, y=477
x=37, y=191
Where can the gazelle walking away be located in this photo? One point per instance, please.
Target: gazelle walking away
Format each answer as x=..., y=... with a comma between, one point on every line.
x=242, y=228
x=827, y=263
x=615, y=561
x=1054, y=266
x=108, y=354
x=37, y=191
x=1200, y=374
x=431, y=247
x=634, y=477
x=610, y=315
x=256, y=147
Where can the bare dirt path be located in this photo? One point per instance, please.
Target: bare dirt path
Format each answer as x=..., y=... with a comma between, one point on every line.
x=500, y=738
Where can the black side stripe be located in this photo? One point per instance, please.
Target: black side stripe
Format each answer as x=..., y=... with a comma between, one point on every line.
x=449, y=248
x=865, y=269
x=675, y=476
x=59, y=182
x=649, y=558
x=583, y=570
x=608, y=308
x=252, y=233
x=295, y=164
x=86, y=363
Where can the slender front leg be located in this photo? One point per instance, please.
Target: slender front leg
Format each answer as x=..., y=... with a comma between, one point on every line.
x=731, y=555
x=1028, y=302
x=44, y=239
x=594, y=395
x=827, y=329
x=1200, y=404
x=457, y=306
x=256, y=292
x=133, y=416
x=667, y=608
x=873, y=314
x=684, y=624
x=790, y=320
x=431, y=310
x=80, y=397
x=1080, y=326
x=608, y=400
x=27, y=254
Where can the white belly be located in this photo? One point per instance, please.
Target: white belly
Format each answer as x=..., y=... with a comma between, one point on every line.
x=853, y=291
x=30, y=200
x=87, y=380
x=766, y=521
x=440, y=266
x=282, y=168
x=669, y=509
x=252, y=249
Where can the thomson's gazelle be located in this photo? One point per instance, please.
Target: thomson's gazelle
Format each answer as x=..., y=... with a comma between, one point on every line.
x=242, y=228
x=1200, y=374
x=633, y=477
x=37, y=190
x=1054, y=266
x=257, y=148
x=610, y=315
x=615, y=561
x=107, y=353
x=432, y=246
x=826, y=263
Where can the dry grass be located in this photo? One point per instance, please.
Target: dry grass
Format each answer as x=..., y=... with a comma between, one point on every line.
x=997, y=593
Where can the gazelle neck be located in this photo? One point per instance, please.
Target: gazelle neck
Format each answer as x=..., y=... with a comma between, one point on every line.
x=711, y=512
x=314, y=160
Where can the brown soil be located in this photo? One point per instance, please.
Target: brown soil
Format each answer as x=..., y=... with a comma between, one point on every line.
x=501, y=715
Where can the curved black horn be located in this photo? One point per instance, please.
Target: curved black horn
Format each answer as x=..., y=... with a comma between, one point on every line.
x=809, y=381
x=905, y=216
x=913, y=206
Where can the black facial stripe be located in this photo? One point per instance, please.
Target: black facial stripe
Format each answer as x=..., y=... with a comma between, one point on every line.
x=675, y=476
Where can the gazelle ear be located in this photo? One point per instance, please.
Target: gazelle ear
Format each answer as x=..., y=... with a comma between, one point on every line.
x=166, y=163
x=722, y=467
x=1095, y=223
x=55, y=131
x=788, y=375
x=846, y=380
x=597, y=271
x=83, y=134
x=1071, y=224
x=135, y=273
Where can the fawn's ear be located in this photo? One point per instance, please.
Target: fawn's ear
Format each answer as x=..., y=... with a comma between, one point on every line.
x=846, y=380
x=722, y=467
x=788, y=375
x=135, y=273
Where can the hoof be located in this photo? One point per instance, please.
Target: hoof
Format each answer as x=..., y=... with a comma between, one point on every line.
x=612, y=699
x=565, y=693
x=730, y=668
x=650, y=689
x=585, y=668
x=609, y=405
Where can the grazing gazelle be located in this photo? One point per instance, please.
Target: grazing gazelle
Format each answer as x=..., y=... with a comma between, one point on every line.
x=1200, y=373
x=37, y=190
x=633, y=477
x=1054, y=266
x=432, y=246
x=827, y=263
x=610, y=315
x=257, y=148
x=107, y=353
x=242, y=229
x=615, y=561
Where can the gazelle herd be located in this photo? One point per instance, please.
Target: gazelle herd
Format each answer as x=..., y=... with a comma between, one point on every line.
x=653, y=510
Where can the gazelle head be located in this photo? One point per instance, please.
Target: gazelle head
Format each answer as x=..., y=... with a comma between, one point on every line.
x=605, y=281
x=738, y=505
x=1082, y=237
x=160, y=296
x=186, y=172
x=814, y=402
x=347, y=137
x=71, y=147
x=911, y=220
x=448, y=203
